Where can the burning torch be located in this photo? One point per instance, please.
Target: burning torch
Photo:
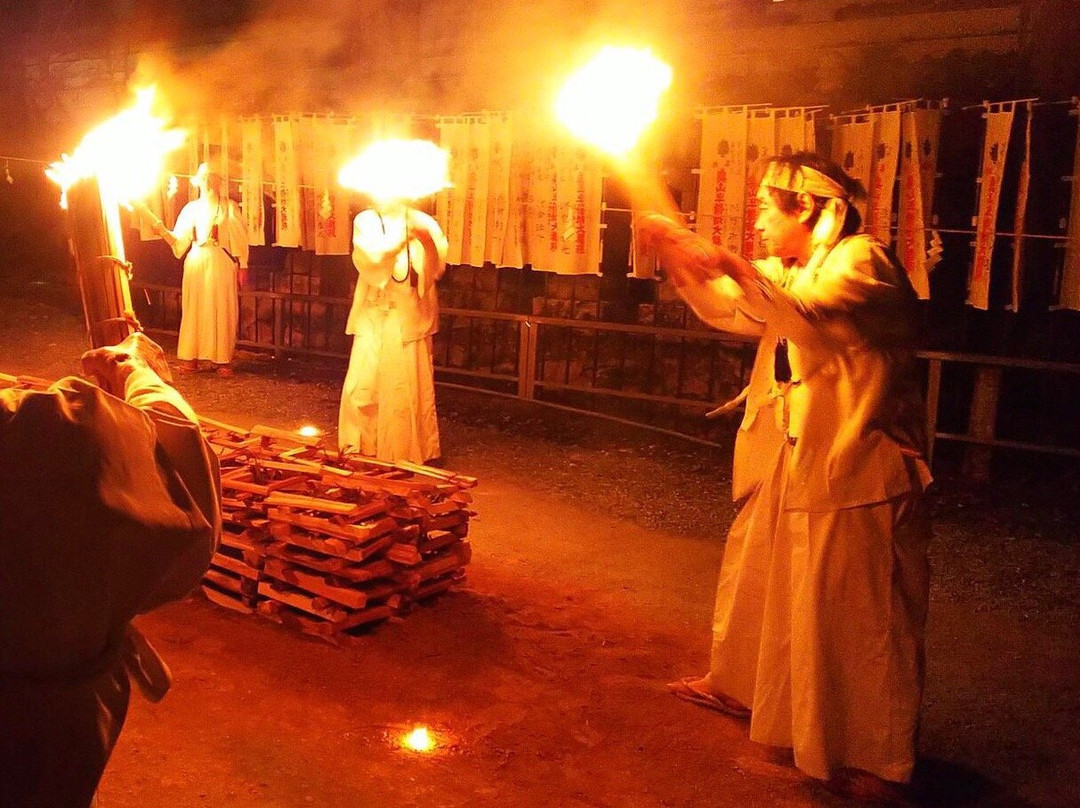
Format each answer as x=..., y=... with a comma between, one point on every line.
x=393, y=173
x=117, y=163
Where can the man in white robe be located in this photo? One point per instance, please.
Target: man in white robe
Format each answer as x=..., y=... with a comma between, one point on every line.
x=212, y=232
x=818, y=633
x=387, y=406
x=109, y=507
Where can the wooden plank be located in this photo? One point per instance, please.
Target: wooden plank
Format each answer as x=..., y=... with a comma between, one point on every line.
x=305, y=503
x=234, y=565
x=334, y=567
x=315, y=584
x=359, y=533
x=226, y=600
x=317, y=606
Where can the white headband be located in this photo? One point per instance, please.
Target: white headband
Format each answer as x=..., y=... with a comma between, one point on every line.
x=807, y=180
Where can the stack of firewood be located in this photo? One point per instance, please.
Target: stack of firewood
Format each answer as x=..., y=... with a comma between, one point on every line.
x=330, y=544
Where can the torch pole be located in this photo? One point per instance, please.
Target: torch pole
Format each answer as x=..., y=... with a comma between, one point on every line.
x=98, y=250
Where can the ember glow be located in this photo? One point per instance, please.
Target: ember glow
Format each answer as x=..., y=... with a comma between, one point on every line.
x=419, y=740
x=125, y=153
x=397, y=170
x=612, y=100
x=309, y=431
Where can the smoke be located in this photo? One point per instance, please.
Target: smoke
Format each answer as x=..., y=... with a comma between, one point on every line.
x=347, y=58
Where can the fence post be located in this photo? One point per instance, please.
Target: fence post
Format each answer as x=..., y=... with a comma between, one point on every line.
x=984, y=403
x=933, y=396
x=527, y=359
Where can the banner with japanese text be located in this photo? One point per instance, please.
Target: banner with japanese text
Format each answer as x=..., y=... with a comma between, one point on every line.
x=333, y=233
x=919, y=129
x=251, y=188
x=886, y=151
x=760, y=146
x=853, y=150
x=286, y=184
x=1069, y=294
x=450, y=204
x=999, y=121
x=501, y=140
x=1020, y=217
x=722, y=179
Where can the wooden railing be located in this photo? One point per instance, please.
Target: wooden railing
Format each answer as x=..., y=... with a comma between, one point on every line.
x=524, y=375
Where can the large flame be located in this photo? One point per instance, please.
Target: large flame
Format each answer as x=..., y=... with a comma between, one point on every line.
x=612, y=99
x=397, y=170
x=125, y=153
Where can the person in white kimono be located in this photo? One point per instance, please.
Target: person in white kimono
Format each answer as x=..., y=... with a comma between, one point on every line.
x=388, y=398
x=212, y=232
x=109, y=507
x=818, y=633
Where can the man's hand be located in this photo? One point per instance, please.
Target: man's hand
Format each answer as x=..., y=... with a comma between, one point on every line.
x=683, y=254
x=111, y=365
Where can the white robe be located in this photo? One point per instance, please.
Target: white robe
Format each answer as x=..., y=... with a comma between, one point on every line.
x=822, y=598
x=209, y=296
x=387, y=408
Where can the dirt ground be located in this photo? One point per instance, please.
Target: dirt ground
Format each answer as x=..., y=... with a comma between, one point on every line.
x=595, y=553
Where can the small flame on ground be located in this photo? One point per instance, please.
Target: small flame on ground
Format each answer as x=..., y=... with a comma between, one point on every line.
x=309, y=431
x=419, y=739
x=126, y=153
x=398, y=170
x=612, y=100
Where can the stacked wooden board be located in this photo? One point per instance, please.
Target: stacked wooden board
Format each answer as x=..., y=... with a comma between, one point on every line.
x=331, y=544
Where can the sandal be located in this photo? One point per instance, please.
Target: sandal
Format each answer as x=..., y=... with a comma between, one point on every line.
x=685, y=690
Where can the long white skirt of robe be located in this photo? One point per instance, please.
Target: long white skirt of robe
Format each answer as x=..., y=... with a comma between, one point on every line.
x=820, y=626
x=210, y=306
x=388, y=399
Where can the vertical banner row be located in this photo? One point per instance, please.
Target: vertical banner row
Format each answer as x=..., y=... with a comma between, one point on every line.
x=519, y=198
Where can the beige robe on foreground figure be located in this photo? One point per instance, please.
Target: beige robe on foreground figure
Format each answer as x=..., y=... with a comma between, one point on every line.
x=387, y=406
x=822, y=599
x=209, y=296
x=108, y=509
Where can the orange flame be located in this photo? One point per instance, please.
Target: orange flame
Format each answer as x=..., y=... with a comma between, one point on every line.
x=125, y=153
x=612, y=99
x=397, y=170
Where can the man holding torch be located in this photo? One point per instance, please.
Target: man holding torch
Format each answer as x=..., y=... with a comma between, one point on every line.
x=109, y=507
x=387, y=406
x=821, y=606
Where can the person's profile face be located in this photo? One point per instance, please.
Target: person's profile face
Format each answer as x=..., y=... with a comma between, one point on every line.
x=782, y=233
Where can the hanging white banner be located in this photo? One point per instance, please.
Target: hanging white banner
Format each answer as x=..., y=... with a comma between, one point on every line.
x=722, y=179
x=921, y=131
x=304, y=133
x=578, y=192
x=886, y=151
x=501, y=138
x=999, y=120
x=810, y=130
x=477, y=166
x=790, y=131
x=286, y=182
x=251, y=189
x=332, y=150
x=1069, y=296
x=450, y=205
x=1020, y=217
x=760, y=146
x=853, y=150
